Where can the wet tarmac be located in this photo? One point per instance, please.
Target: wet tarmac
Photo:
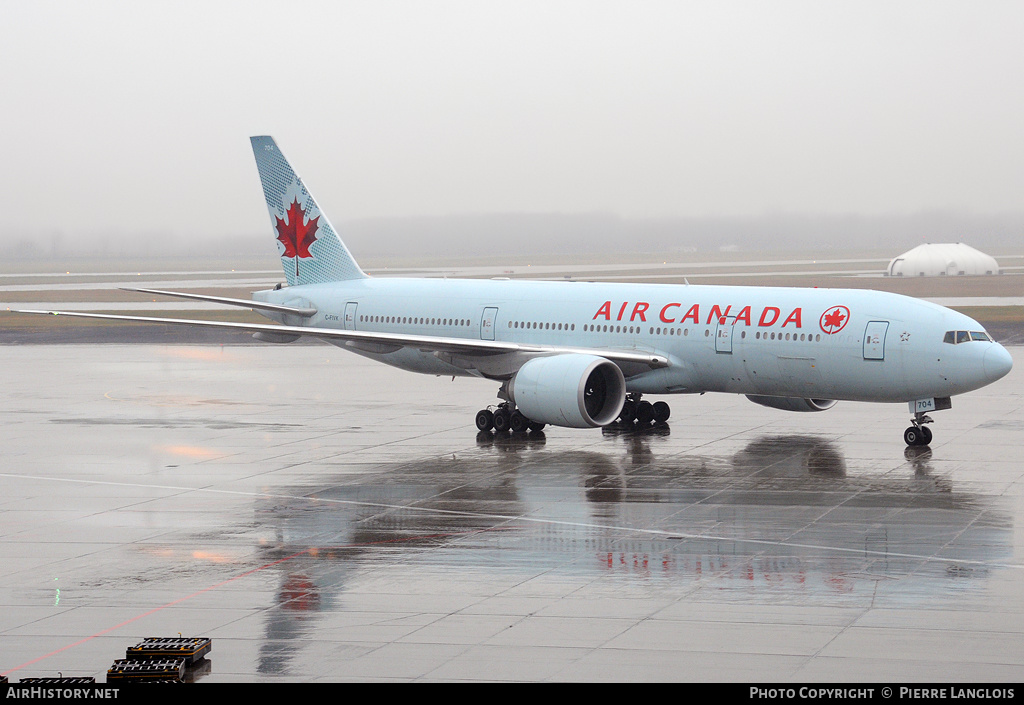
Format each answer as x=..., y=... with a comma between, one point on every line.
x=321, y=518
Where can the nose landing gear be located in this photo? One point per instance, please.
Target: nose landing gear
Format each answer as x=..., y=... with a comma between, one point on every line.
x=918, y=434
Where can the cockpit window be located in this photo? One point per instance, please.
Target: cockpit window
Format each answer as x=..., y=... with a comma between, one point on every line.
x=954, y=337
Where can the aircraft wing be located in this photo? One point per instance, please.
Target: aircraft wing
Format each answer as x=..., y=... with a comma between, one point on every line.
x=382, y=342
x=245, y=303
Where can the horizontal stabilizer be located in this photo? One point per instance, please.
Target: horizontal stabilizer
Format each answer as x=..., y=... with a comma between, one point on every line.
x=247, y=303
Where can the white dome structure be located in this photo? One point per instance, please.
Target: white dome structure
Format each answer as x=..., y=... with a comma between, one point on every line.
x=942, y=259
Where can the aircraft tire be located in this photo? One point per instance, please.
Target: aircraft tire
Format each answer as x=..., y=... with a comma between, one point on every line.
x=536, y=426
x=501, y=420
x=913, y=436
x=644, y=412
x=926, y=435
x=518, y=423
x=661, y=411
x=628, y=413
x=484, y=420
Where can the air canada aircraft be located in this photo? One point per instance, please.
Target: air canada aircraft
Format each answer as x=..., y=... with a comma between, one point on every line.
x=584, y=354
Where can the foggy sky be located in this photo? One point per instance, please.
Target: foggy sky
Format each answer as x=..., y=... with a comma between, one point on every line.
x=134, y=118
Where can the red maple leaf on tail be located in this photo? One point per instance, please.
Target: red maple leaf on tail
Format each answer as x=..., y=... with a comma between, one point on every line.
x=294, y=235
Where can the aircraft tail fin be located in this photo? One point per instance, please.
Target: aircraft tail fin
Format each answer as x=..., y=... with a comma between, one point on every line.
x=311, y=251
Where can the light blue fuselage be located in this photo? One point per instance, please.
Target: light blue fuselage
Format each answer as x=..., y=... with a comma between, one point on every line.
x=844, y=344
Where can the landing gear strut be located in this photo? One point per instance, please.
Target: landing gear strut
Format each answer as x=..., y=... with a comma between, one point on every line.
x=506, y=418
x=918, y=434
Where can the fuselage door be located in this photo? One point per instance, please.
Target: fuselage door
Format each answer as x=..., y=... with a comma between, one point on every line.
x=350, y=315
x=487, y=323
x=874, y=340
x=723, y=334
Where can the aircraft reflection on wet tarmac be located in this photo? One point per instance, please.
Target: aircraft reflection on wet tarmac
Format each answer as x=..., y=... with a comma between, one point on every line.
x=782, y=516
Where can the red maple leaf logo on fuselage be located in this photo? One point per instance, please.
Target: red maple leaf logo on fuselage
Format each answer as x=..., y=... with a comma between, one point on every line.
x=295, y=235
x=834, y=319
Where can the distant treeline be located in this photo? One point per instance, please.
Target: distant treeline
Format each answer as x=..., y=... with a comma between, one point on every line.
x=516, y=234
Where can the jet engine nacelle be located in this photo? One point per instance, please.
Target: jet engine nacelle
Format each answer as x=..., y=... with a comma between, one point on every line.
x=792, y=403
x=575, y=390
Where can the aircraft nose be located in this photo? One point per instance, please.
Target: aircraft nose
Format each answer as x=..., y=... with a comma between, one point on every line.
x=997, y=362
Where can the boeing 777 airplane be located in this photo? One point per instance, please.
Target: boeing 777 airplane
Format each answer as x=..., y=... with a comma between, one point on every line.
x=583, y=355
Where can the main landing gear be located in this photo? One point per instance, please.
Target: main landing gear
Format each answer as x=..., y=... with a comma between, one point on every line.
x=918, y=434
x=505, y=418
x=643, y=412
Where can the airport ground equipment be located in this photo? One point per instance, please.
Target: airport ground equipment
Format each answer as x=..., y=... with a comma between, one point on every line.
x=147, y=671
x=57, y=680
x=191, y=649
